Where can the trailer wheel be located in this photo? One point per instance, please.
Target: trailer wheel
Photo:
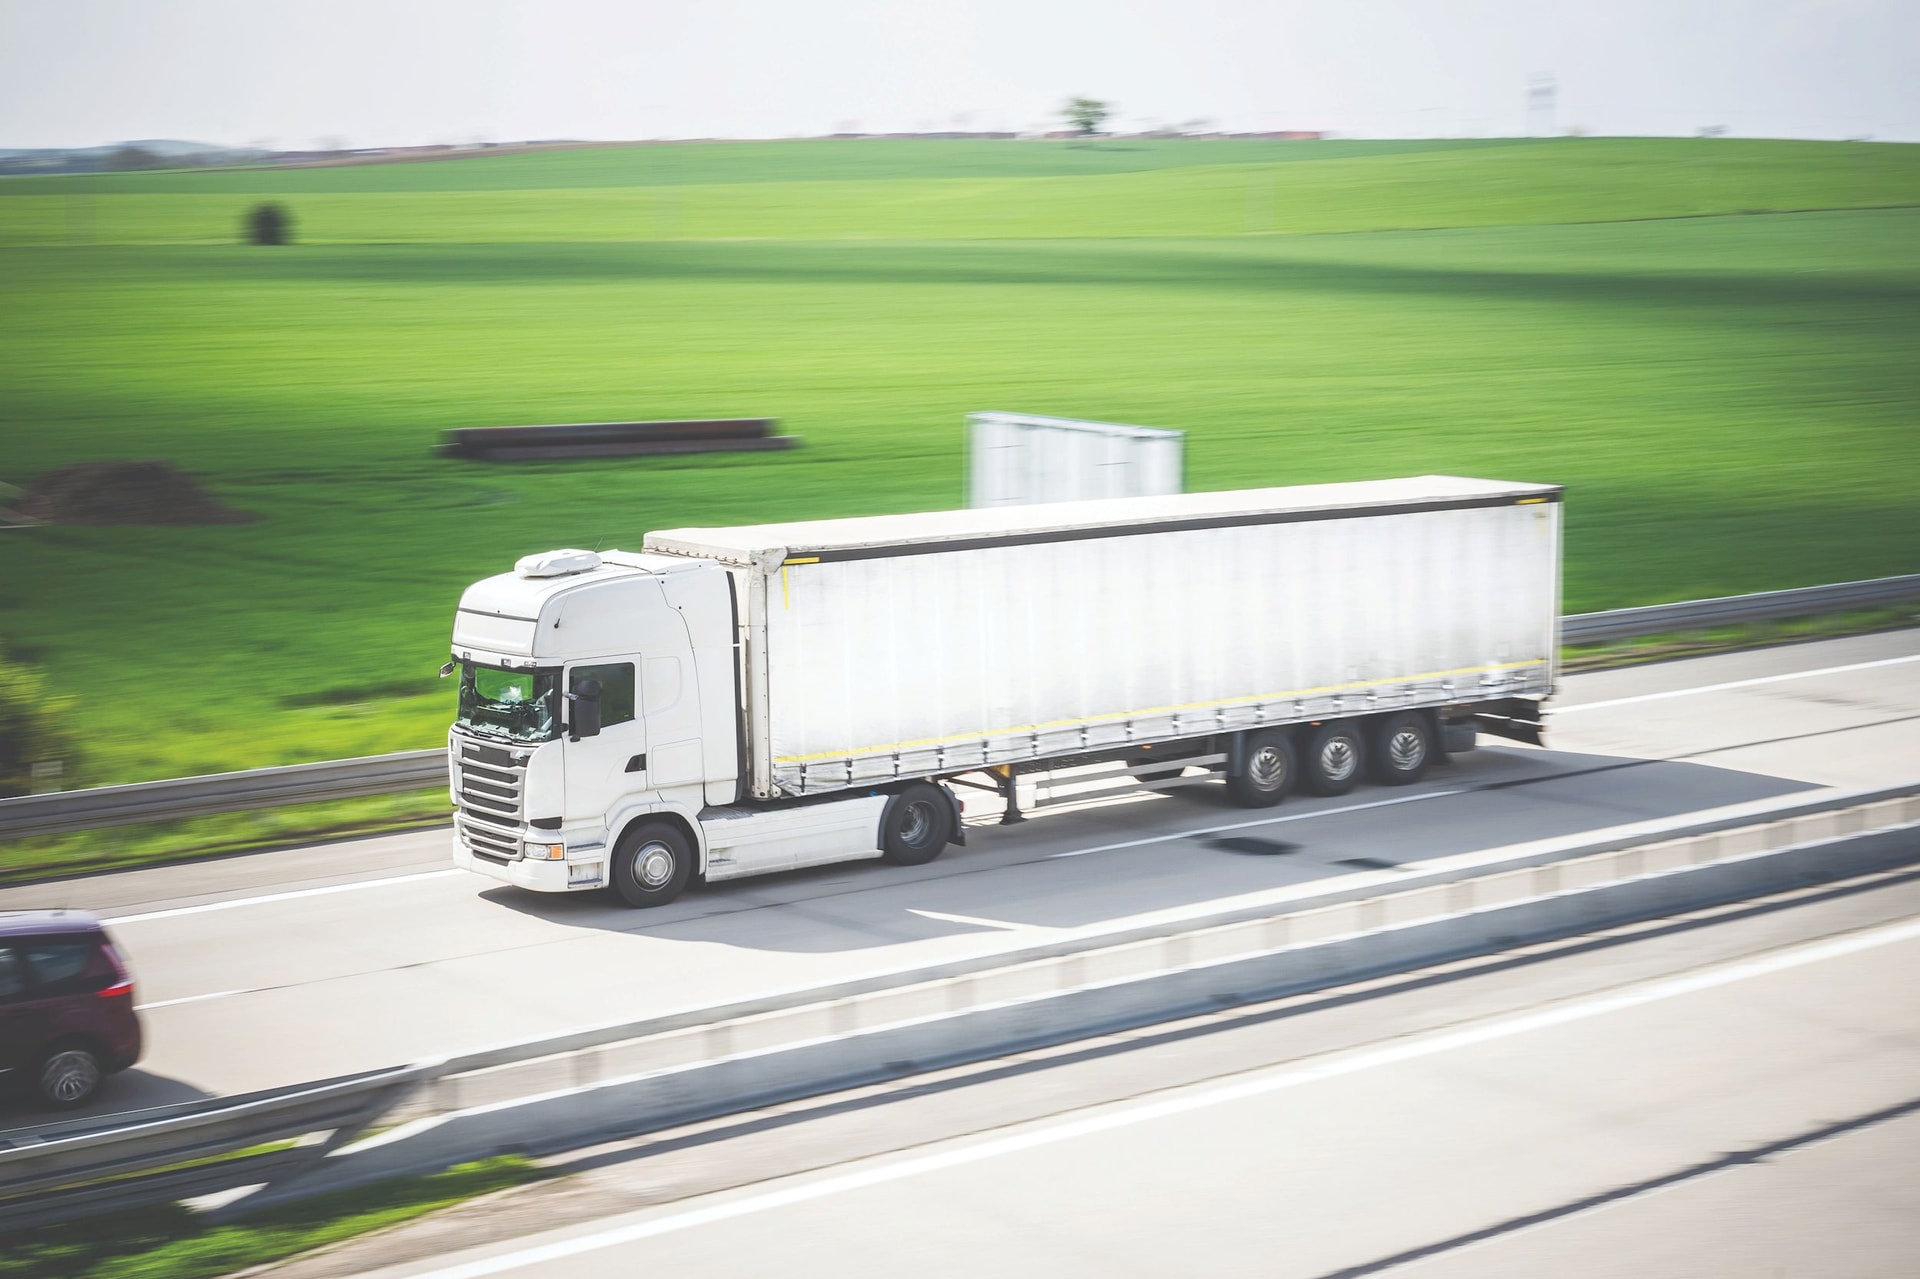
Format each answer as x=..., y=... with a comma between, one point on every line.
x=1402, y=748
x=917, y=824
x=1269, y=771
x=1336, y=757
x=651, y=864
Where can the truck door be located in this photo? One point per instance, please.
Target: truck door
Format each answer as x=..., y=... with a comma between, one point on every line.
x=670, y=701
x=600, y=770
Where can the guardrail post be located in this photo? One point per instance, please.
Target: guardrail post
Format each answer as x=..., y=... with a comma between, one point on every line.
x=1178, y=950
x=1460, y=897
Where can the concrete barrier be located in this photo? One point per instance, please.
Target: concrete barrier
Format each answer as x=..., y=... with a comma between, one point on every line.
x=682, y=1073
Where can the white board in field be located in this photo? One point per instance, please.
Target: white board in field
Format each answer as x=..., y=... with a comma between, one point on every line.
x=1017, y=459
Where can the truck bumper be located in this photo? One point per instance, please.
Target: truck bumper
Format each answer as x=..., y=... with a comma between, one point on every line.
x=541, y=877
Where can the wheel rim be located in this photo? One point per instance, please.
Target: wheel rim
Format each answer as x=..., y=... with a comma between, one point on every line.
x=916, y=823
x=1268, y=767
x=70, y=1075
x=653, y=866
x=1337, y=759
x=1405, y=750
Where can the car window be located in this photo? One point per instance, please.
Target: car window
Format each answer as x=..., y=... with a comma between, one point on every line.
x=13, y=978
x=60, y=967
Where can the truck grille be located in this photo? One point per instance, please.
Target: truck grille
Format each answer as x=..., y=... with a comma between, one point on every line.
x=489, y=781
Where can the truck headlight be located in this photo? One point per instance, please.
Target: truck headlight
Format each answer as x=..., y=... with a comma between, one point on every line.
x=546, y=852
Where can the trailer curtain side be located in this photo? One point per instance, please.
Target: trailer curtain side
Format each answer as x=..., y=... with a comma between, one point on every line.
x=959, y=643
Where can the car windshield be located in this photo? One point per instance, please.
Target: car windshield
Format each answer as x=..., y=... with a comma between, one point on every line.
x=518, y=705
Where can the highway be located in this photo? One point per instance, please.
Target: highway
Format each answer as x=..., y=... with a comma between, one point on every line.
x=1732, y=1095
x=287, y=966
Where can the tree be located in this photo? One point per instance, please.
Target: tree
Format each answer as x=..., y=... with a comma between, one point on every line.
x=1086, y=115
x=32, y=727
x=269, y=223
x=128, y=159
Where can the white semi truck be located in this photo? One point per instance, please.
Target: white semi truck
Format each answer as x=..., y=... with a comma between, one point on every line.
x=728, y=702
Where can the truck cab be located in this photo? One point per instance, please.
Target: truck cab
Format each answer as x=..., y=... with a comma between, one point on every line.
x=593, y=689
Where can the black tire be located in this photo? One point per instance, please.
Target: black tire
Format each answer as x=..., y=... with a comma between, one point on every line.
x=68, y=1075
x=1269, y=770
x=651, y=864
x=1336, y=757
x=1401, y=747
x=1171, y=754
x=917, y=825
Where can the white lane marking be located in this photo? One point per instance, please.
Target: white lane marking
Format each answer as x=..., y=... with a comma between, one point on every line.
x=290, y=895
x=297, y=893
x=972, y=921
x=1738, y=683
x=1123, y=1115
x=1264, y=821
x=187, y=999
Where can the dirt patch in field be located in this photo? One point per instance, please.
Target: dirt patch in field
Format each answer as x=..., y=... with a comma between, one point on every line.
x=149, y=492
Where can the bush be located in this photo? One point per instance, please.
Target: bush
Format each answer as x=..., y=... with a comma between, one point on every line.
x=269, y=223
x=32, y=727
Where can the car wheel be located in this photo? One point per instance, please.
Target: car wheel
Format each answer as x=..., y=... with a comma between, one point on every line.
x=68, y=1075
x=651, y=864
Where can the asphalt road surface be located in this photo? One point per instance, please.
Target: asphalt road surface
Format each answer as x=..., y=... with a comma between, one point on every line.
x=1727, y=1095
x=283, y=967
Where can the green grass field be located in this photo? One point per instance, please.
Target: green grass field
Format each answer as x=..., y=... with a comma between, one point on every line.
x=1731, y=397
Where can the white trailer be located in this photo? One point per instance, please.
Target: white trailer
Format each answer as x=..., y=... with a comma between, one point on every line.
x=732, y=701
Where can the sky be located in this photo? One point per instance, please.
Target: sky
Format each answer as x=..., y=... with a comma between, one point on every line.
x=294, y=74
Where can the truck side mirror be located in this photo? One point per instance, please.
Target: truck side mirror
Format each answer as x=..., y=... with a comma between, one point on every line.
x=586, y=709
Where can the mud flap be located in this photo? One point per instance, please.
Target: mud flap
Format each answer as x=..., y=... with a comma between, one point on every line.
x=953, y=803
x=1516, y=719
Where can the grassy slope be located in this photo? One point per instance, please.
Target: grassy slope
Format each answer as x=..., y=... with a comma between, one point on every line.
x=1730, y=399
x=171, y=1242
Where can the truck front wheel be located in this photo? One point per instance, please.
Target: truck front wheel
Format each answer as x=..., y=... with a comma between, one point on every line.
x=651, y=864
x=918, y=823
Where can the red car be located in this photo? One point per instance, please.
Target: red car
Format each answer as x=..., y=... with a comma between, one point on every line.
x=66, y=1006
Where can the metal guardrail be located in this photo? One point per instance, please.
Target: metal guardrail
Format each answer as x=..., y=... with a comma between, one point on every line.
x=618, y=1078
x=1693, y=615
x=63, y=1171
x=64, y=811
x=416, y=770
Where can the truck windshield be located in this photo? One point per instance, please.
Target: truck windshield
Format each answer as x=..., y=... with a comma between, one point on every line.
x=518, y=705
